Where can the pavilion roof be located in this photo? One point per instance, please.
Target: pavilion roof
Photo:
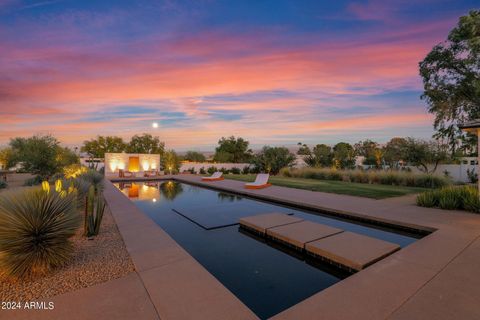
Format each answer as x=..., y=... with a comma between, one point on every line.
x=471, y=126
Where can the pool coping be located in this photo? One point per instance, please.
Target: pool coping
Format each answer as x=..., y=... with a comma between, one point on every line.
x=389, y=288
x=177, y=285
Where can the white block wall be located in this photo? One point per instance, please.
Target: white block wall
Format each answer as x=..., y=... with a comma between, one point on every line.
x=198, y=165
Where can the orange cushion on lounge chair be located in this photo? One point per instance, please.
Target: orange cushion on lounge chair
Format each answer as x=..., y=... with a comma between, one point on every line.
x=214, y=179
x=259, y=187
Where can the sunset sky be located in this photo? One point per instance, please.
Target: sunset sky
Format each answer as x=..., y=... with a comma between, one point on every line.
x=274, y=72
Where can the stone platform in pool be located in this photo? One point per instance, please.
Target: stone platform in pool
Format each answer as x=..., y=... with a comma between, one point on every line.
x=350, y=249
x=260, y=223
x=345, y=249
x=299, y=233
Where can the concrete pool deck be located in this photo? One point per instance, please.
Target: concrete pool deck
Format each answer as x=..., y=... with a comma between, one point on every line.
x=433, y=278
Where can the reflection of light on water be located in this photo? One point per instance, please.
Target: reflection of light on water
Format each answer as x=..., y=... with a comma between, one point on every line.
x=149, y=192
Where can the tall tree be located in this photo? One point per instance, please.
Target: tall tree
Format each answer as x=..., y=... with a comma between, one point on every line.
x=6, y=158
x=395, y=151
x=303, y=149
x=145, y=143
x=232, y=150
x=170, y=162
x=194, y=156
x=321, y=156
x=344, y=155
x=368, y=149
x=41, y=155
x=425, y=155
x=273, y=159
x=97, y=148
x=451, y=79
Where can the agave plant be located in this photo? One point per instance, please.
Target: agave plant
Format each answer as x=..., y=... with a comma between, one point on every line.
x=93, y=177
x=35, y=228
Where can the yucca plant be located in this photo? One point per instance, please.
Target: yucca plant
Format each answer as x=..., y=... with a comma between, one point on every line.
x=74, y=170
x=35, y=228
x=94, y=209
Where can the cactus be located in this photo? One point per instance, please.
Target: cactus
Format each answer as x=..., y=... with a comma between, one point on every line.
x=94, y=209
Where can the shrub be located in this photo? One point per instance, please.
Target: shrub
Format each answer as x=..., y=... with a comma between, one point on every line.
x=192, y=170
x=430, y=181
x=235, y=170
x=35, y=181
x=3, y=184
x=471, y=200
x=246, y=170
x=472, y=176
x=390, y=178
x=202, y=170
x=427, y=199
x=451, y=198
x=212, y=169
x=397, y=178
x=35, y=229
x=335, y=175
x=224, y=170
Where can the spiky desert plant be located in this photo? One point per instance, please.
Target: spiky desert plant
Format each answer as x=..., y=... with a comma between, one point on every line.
x=94, y=209
x=35, y=228
x=74, y=170
x=93, y=177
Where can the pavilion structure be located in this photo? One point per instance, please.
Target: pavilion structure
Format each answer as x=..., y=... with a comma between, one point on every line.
x=474, y=128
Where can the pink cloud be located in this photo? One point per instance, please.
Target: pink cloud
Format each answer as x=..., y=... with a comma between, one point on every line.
x=74, y=81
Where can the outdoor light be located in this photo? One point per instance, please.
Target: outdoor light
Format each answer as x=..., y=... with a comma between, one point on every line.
x=154, y=200
x=155, y=125
x=113, y=165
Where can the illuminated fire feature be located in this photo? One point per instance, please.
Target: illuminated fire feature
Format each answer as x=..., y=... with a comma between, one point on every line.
x=131, y=162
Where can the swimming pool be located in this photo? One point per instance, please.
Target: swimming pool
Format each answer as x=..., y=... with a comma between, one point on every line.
x=267, y=278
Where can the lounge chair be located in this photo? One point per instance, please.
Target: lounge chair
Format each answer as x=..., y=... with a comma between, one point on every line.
x=261, y=181
x=216, y=176
x=125, y=174
x=151, y=173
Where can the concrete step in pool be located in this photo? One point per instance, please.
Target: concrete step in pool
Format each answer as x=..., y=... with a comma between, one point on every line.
x=350, y=249
x=347, y=250
x=300, y=233
x=260, y=223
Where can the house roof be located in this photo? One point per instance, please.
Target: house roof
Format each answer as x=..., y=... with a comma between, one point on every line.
x=471, y=126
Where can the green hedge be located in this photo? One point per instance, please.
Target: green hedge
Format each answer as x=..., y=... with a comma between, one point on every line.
x=395, y=178
x=451, y=198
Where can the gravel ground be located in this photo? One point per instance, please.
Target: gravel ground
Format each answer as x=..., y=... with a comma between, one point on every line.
x=94, y=261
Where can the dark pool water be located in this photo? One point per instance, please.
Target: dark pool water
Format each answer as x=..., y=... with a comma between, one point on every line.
x=266, y=279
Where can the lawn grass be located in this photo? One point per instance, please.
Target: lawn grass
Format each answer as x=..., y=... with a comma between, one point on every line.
x=374, y=191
